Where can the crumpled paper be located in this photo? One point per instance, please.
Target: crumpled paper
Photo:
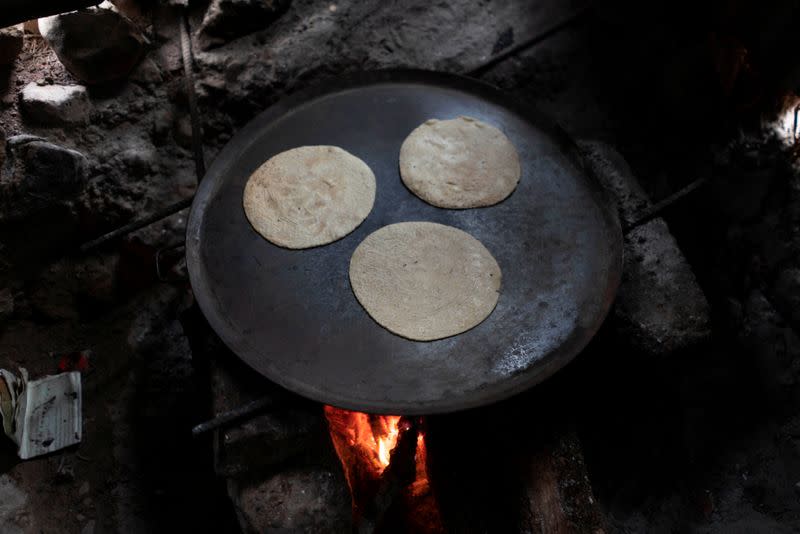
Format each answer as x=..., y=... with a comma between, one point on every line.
x=41, y=416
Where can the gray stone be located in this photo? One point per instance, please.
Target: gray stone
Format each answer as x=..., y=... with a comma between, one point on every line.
x=269, y=440
x=786, y=294
x=182, y=130
x=773, y=345
x=148, y=73
x=613, y=172
x=11, y=41
x=744, y=176
x=162, y=125
x=140, y=159
x=96, y=45
x=52, y=295
x=55, y=105
x=6, y=303
x=37, y=176
x=89, y=527
x=298, y=501
x=18, y=140
x=311, y=42
x=147, y=329
x=12, y=502
x=660, y=307
x=752, y=524
x=228, y=19
x=2, y=147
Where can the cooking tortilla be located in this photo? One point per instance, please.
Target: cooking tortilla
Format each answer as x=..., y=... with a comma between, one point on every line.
x=309, y=196
x=425, y=281
x=459, y=163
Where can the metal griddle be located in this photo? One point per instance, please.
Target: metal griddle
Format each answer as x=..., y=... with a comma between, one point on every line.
x=292, y=316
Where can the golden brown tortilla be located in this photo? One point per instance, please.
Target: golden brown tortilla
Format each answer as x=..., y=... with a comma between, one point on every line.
x=309, y=196
x=423, y=280
x=459, y=163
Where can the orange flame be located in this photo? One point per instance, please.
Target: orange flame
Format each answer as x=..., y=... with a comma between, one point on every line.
x=363, y=438
x=364, y=444
x=421, y=486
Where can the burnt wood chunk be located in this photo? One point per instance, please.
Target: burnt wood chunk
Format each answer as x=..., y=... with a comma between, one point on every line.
x=557, y=496
x=397, y=476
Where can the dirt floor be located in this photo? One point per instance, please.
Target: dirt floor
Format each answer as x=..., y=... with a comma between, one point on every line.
x=705, y=441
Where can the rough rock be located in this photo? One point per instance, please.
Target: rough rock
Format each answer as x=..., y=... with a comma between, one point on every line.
x=773, y=345
x=744, y=172
x=74, y=38
x=754, y=522
x=311, y=42
x=182, y=131
x=6, y=303
x=11, y=41
x=300, y=501
x=2, y=147
x=96, y=278
x=613, y=172
x=227, y=19
x=288, y=433
x=660, y=307
x=135, y=157
x=148, y=73
x=52, y=298
x=55, y=105
x=12, y=502
x=786, y=294
x=38, y=176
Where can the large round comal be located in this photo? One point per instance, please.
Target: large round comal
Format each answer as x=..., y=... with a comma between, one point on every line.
x=292, y=314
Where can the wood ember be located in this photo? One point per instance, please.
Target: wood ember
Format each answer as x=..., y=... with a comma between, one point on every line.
x=395, y=478
x=557, y=496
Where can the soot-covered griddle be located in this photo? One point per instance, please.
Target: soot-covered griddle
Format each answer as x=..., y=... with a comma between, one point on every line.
x=291, y=314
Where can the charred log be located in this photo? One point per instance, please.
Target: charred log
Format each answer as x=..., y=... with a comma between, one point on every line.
x=557, y=496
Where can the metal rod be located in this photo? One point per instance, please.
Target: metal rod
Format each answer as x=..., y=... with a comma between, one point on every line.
x=528, y=43
x=188, y=77
x=245, y=411
x=655, y=210
x=136, y=224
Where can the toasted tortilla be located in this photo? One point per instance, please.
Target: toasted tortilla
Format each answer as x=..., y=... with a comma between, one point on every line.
x=425, y=281
x=459, y=163
x=309, y=196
